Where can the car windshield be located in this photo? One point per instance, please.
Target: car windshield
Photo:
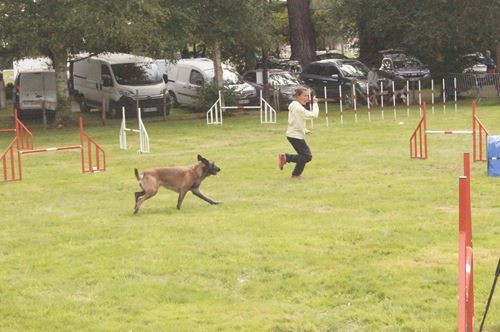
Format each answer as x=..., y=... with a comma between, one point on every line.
x=353, y=69
x=283, y=78
x=230, y=77
x=137, y=73
x=407, y=63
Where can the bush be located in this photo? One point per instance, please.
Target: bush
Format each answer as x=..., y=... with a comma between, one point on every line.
x=208, y=95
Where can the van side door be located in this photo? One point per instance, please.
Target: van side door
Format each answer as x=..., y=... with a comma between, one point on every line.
x=189, y=87
x=106, y=87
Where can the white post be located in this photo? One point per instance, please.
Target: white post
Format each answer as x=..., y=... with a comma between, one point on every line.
x=368, y=101
x=394, y=100
x=123, y=132
x=353, y=88
x=432, y=94
x=326, y=106
x=340, y=101
x=444, y=96
x=419, y=98
x=382, y=100
x=455, y=91
x=261, y=108
x=143, y=134
x=310, y=106
x=408, y=98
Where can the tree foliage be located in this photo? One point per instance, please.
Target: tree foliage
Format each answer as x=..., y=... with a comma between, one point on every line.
x=437, y=31
x=59, y=28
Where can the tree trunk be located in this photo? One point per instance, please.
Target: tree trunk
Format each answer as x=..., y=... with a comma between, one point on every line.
x=63, y=108
x=498, y=58
x=302, y=37
x=218, y=79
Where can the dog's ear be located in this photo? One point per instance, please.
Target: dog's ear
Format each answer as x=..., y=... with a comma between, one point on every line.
x=203, y=160
x=200, y=158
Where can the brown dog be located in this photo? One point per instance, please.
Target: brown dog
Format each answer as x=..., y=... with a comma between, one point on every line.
x=178, y=179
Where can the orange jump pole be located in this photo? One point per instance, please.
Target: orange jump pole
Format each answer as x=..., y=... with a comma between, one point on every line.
x=465, y=254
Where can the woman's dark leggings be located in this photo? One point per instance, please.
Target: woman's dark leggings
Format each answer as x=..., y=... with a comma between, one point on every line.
x=302, y=157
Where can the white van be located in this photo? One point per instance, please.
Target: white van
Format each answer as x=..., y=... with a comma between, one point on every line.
x=35, y=90
x=187, y=75
x=121, y=78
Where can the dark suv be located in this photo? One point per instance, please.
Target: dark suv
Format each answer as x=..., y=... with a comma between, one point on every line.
x=333, y=73
x=400, y=67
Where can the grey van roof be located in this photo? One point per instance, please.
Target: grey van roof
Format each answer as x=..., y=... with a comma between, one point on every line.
x=115, y=58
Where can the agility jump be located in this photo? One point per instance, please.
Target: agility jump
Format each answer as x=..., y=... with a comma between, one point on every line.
x=143, y=134
x=214, y=114
x=93, y=158
x=418, y=140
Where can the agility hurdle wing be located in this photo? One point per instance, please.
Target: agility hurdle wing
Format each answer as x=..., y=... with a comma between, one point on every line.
x=93, y=158
x=143, y=134
x=418, y=139
x=214, y=114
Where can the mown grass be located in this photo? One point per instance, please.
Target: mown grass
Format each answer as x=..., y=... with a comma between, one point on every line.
x=366, y=242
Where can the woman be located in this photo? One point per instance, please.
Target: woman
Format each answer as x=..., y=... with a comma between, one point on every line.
x=296, y=131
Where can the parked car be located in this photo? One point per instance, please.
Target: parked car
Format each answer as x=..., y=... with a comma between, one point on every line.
x=280, y=81
x=400, y=67
x=122, y=78
x=333, y=73
x=292, y=66
x=186, y=76
x=330, y=54
x=472, y=63
x=35, y=90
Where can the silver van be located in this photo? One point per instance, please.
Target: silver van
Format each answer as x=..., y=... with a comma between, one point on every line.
x=186, y=76
x=122, y=79
x=36, y=90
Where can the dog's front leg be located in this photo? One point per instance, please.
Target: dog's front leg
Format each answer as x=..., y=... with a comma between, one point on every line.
x=182, y=194
x=198, y=193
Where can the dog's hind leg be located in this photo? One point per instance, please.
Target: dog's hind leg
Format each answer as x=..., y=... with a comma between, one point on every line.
x=138, y=194
x=198, y=193
x=140, y=199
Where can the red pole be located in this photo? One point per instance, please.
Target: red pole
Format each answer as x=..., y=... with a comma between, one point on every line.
x=468, y=244
x=462, y=215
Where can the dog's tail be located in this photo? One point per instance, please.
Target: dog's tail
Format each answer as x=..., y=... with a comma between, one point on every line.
x=136, y=172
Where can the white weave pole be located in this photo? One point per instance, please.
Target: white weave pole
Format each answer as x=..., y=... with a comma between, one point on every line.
x=420, y=97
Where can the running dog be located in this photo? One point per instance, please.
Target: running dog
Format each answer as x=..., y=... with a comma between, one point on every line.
x=178, y=179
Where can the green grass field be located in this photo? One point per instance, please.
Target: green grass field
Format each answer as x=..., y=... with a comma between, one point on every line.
x=366, y=242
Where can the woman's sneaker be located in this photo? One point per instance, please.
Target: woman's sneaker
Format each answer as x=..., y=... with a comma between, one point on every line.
x=281, y=160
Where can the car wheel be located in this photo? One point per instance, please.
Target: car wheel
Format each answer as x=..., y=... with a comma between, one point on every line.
x=173, y=99
x=113, y=110
x=84, y=108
